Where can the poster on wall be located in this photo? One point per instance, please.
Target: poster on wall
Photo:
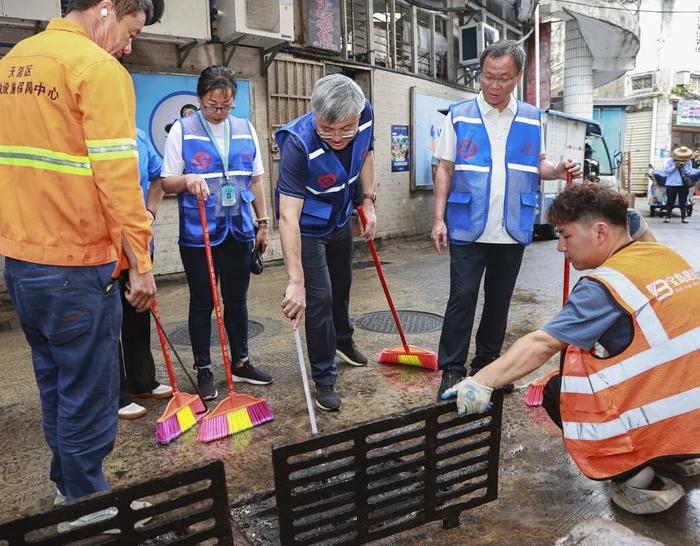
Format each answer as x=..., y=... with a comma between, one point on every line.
x=322, y=24
x=688, y=113
x=426, y=125
x=399, y=148
x=161, y=97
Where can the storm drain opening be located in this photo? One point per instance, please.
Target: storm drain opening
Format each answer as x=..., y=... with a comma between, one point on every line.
x=413, y=322
x=189, y=507
x=387, y=476
x=179, y=333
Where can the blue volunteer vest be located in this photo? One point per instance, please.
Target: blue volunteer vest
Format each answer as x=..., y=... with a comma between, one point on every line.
x=468, y=201
x=329, y=187
x=202, y=157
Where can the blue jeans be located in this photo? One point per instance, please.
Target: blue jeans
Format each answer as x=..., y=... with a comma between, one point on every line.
x=71, y=318
x=232, y=268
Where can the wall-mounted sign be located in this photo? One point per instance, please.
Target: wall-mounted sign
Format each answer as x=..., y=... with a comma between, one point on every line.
x=399, y=148
x=322, y=24
x=688, y=113
x=160, y=97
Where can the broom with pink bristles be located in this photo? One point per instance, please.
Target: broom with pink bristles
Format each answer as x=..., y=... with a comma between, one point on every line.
x=183, y=410
x=237, y=412
x=405, y=353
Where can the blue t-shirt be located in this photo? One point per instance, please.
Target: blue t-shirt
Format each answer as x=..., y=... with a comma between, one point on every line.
x=591, y=316
x=294, y=169
x=150, y=163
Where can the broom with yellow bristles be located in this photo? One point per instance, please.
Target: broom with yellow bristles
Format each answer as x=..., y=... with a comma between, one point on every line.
x=405, y=353
x=237, y=412
x=183, y=410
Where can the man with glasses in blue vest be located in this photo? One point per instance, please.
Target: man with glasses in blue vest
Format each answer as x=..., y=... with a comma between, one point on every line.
x=486, y=193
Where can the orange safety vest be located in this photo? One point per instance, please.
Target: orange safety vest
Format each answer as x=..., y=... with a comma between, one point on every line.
x=619, y=413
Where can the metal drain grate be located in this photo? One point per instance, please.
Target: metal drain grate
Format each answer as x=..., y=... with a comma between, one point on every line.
x=189, y=507
x=380, y=478
x=413, y=322
x=180, y=334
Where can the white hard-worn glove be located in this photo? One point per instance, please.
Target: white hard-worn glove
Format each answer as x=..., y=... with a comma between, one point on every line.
x=472, y=397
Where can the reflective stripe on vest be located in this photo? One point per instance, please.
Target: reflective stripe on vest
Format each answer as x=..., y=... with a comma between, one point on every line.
x=468, y=202
x=115, y=148
x=41, y=158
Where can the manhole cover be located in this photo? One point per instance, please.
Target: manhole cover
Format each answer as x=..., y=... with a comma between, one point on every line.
x=180, y=334
x=413, y=322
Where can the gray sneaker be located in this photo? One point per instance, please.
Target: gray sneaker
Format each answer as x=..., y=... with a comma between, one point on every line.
x=205, y=383
x=327, y=398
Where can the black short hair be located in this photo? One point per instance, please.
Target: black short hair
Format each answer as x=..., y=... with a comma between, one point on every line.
x=152, y=8
x=590, y=202
x=216, y=77
x=187, y=107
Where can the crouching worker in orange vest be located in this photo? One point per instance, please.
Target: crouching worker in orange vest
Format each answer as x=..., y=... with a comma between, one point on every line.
x=628, y=396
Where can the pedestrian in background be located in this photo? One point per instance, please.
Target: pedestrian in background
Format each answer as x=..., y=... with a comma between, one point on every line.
x=137, y=371
x=70, y=211
x=215, y=157
x=486, y=189
x=326, y=160
x=678, y=170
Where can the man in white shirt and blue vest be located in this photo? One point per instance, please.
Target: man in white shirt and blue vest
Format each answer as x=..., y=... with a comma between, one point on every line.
x=486, y=190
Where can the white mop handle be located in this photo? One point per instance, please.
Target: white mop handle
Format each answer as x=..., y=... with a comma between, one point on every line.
x=307, y=391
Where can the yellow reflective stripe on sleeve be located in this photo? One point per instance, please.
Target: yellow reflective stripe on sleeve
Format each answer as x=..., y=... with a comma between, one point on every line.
x=114, y=148
x=41, y=158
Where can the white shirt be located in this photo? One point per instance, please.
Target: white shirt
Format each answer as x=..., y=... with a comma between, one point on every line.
x=174, y=164
x=497, y=127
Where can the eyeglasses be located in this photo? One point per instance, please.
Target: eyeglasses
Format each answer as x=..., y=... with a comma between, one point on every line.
x=218, y=109
x=331, y=134
x=490, y=80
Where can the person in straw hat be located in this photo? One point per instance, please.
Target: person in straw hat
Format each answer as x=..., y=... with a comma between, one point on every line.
x=678, y=171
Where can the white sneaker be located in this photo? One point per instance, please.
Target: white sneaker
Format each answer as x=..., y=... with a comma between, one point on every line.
x=161, y=391
x=132, y=411
x=102, y=515
x=60, y=498
x=645, y=501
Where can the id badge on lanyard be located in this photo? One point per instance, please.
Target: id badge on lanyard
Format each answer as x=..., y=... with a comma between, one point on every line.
x=228, y=197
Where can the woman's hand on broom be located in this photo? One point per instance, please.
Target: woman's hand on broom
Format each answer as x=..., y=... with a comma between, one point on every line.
x=294, y=302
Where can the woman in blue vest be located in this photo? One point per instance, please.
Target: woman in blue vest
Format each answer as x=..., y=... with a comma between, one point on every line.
x=215, y=156
x=326, y=159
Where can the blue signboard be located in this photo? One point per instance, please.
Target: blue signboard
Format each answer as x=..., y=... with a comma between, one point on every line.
x=159, y=98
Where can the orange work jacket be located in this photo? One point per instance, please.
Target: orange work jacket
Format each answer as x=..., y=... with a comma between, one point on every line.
x=621, y=412
x=69, y=181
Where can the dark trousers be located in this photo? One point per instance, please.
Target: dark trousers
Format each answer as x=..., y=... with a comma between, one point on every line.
x=137, y=371
x=499, y=266
x=327, y=263
x=71, y=317
x=232, y=268
x=671, y=193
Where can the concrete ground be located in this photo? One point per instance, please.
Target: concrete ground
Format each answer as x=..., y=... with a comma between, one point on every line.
x=542, y=494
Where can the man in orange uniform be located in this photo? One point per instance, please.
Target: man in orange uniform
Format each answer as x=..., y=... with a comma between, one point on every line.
x=71, y=210
x=628, y=397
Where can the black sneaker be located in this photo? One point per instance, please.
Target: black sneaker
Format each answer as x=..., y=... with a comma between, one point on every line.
x=449, y=379
x=247, y=373
x=348, y=353
x=327, y=398
x=205, y=384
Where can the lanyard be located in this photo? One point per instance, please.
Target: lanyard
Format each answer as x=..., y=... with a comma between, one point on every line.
x=223, y=154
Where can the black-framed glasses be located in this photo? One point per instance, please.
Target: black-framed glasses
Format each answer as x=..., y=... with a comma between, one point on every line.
x=218, y=109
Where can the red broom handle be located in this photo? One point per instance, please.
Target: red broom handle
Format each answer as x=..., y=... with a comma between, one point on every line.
x=567, y=262
x=215, y=298
x=164, y=347
x=378, y=265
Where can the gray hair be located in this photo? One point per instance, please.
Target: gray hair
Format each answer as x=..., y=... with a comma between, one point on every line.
x=336, y=97
x=505, y=47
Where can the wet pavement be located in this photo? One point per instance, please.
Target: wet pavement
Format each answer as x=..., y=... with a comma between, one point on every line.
x=541, y=495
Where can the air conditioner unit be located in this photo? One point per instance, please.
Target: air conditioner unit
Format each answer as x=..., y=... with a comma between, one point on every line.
x=473, y=39
x=182, y=19
x=36, y=10
x=258, y=23
x=683, y=77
